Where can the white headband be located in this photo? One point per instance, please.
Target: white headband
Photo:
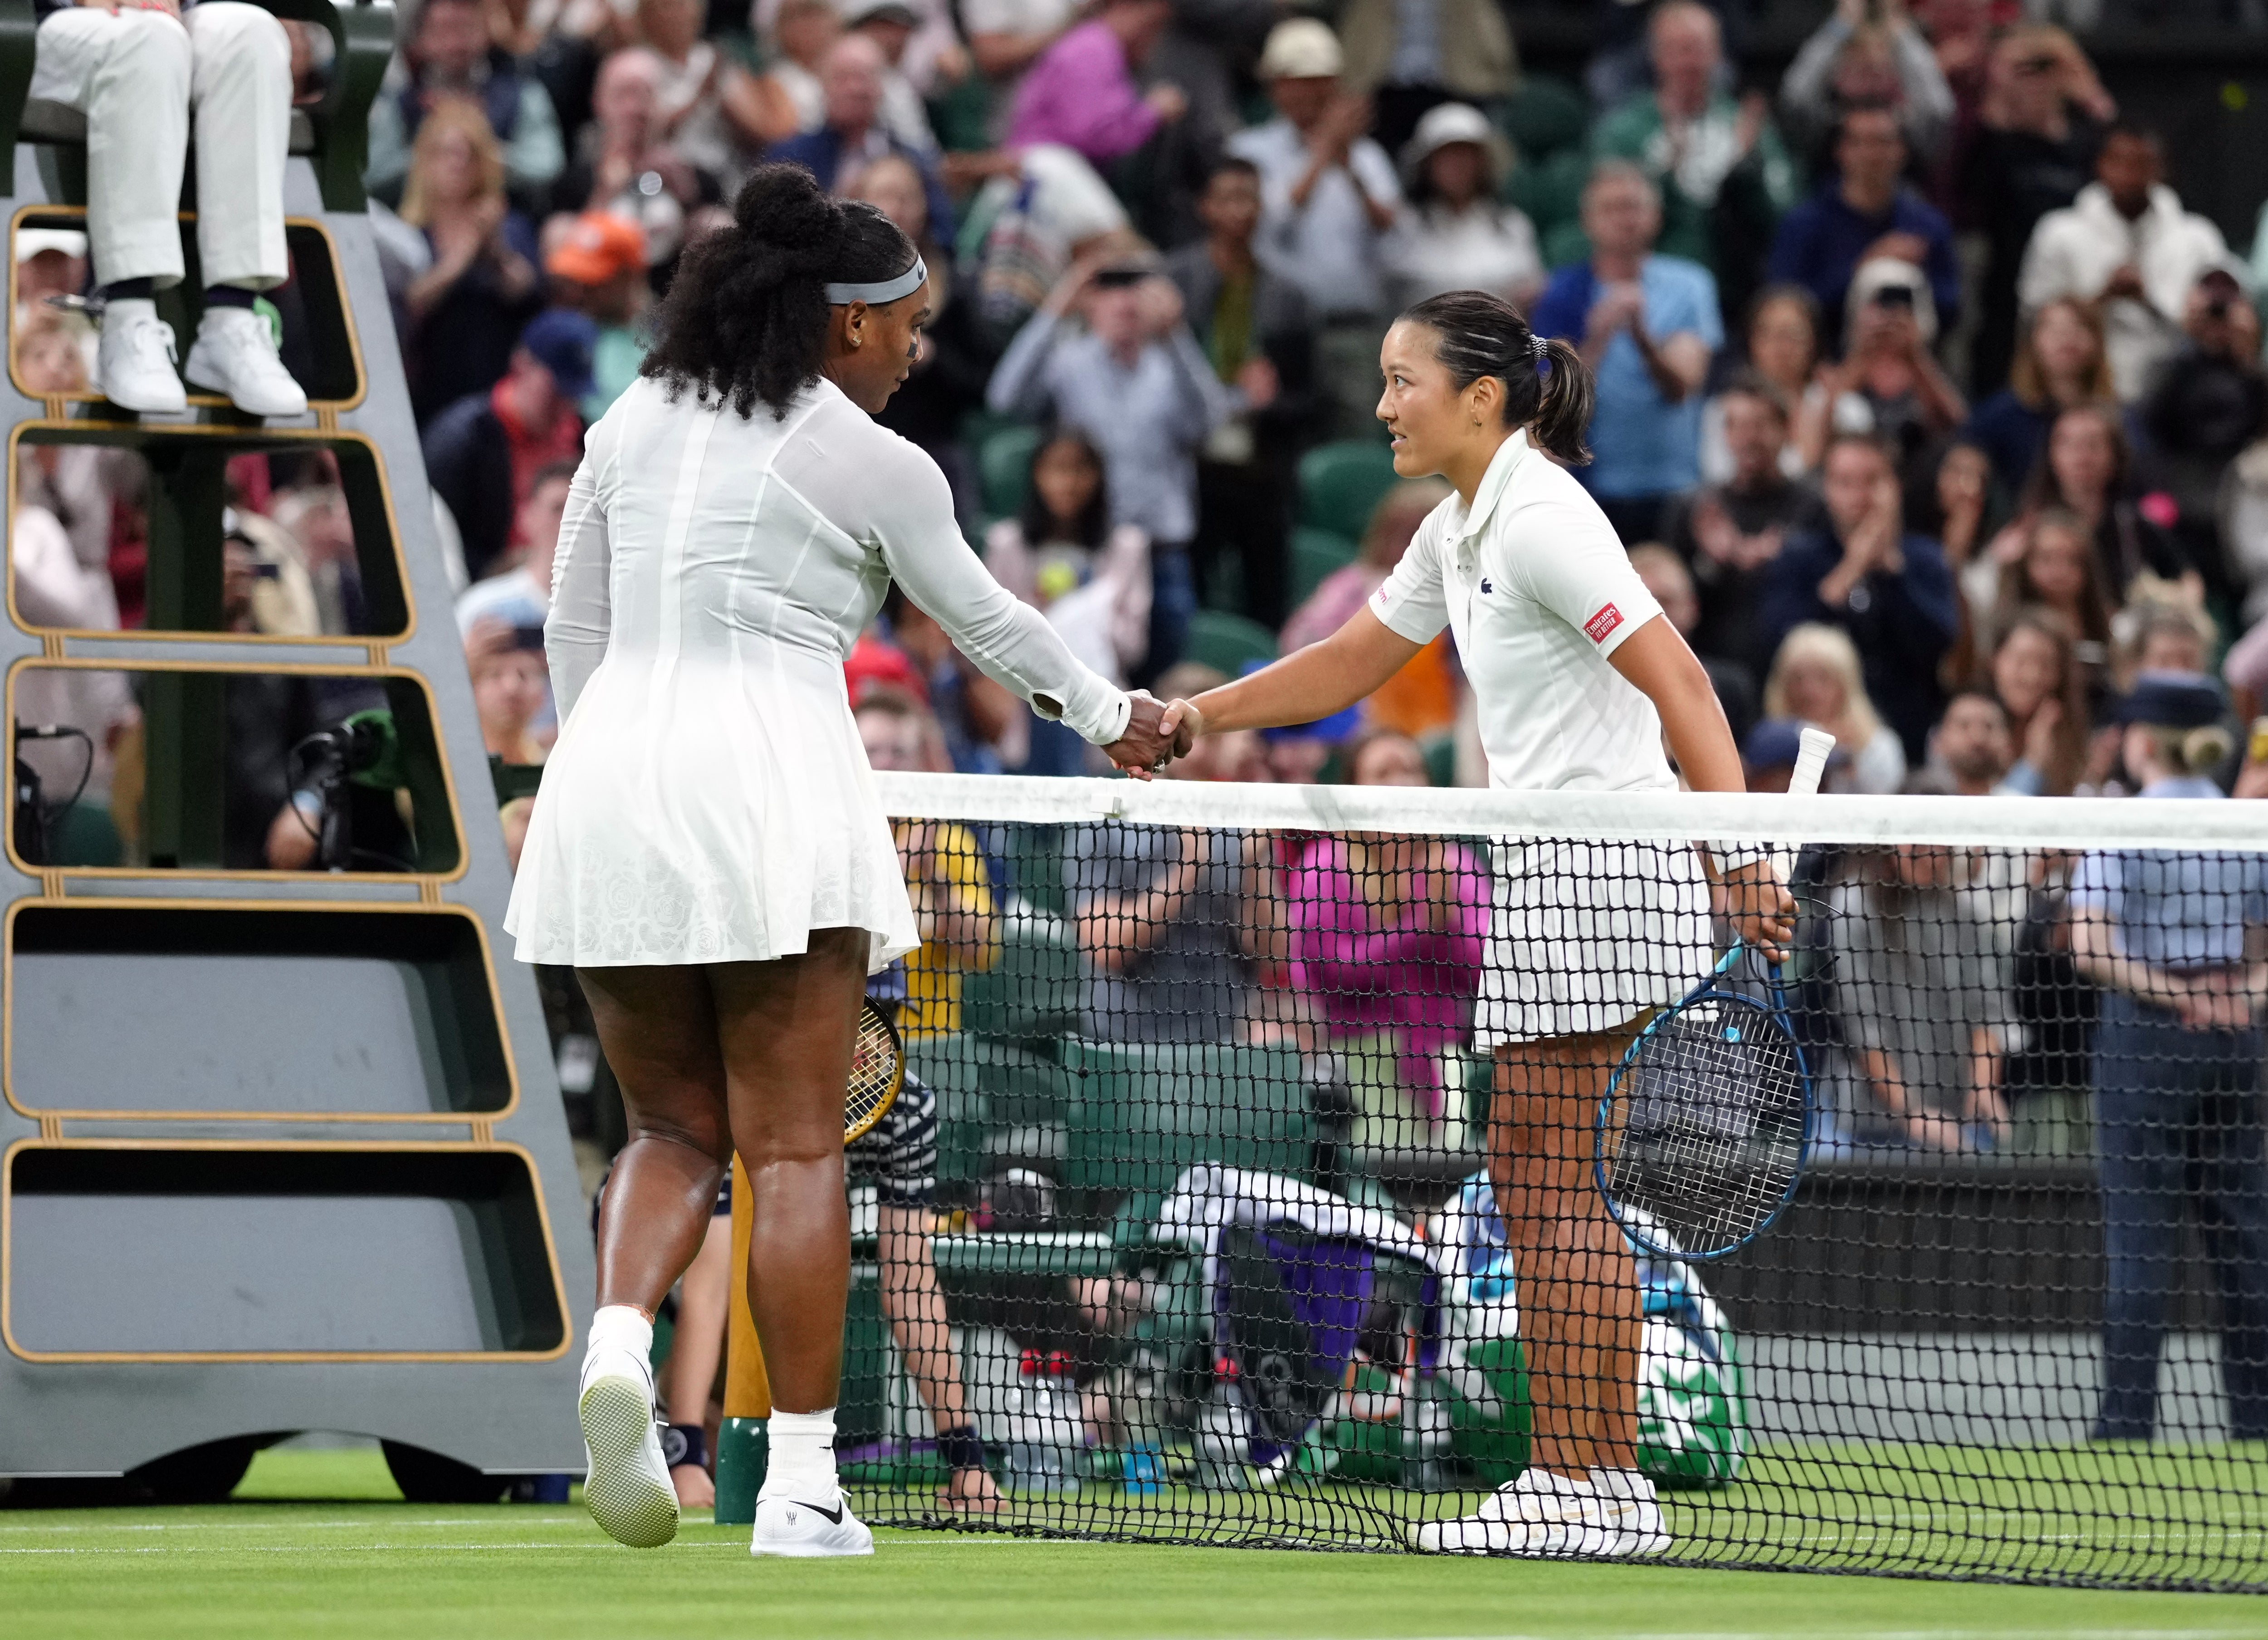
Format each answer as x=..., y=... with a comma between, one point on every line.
x=880, y=291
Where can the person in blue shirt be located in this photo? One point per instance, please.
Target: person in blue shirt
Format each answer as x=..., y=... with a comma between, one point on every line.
x=1863, y=212
x=2174, y=939
x=1860, y=570
x=853, y=135
x=1647, y=325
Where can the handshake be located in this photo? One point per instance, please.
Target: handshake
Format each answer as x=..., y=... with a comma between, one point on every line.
x=1157, y=733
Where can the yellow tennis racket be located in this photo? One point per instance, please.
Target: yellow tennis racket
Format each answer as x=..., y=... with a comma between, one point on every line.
x=878, y=1070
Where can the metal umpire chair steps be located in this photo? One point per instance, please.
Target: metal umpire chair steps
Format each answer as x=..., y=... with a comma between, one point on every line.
x=279, y=1151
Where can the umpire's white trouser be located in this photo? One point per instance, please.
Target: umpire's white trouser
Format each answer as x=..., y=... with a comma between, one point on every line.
x=138, y=74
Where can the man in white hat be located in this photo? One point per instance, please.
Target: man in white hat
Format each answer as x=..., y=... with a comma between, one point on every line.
x=1328, y=198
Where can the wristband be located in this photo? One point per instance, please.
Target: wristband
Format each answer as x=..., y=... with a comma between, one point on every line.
x=683, y=1444
x=1731, y=857
x=960, y=1448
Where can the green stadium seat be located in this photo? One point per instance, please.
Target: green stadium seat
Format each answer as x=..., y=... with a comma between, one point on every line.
x=1227, y=642
x=1566, y=244
x=1030, y=993
x=1441, y=761
x=1341, y=484
x=982, y=1087
x=1551, y=191
x=1004, y=464
x=1033, y=856
x=84, y=833
x=1317, y=554
x=1144, y=1111
x=1544, y=116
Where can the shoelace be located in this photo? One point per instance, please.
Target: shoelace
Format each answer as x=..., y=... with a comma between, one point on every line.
x=146, y=342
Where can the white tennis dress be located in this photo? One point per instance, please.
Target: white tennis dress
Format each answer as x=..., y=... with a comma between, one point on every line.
x=709, y=800
x=1586, y=935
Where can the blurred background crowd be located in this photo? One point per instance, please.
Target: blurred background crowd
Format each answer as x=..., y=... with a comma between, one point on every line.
x=1928, y=406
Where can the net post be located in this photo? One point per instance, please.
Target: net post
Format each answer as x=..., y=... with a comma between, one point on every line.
x=743, y=1442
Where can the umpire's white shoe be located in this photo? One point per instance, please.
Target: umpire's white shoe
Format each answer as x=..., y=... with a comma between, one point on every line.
x=1633, y=1510
x=1539, y=1514
x=134, y=360
x=627, y=1487
x=235, y=356
x=807, y=1531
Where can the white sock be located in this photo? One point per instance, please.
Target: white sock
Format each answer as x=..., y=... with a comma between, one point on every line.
x=619, y=1326
x=801, y=1464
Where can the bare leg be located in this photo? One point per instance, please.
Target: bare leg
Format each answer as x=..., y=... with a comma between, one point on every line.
x=915, y=1305
x=658, y=1028
x=1580, y=1306
x=691, y=1373
x=786, y=1028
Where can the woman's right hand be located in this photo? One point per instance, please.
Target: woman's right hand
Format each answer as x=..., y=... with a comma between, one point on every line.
x=1150, y=742
x=1182, y=722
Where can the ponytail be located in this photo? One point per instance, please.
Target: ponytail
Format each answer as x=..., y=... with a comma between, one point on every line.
x=1547, y=387
x=1565, y=414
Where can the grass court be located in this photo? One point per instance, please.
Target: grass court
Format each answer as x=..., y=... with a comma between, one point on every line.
x=317, y=1545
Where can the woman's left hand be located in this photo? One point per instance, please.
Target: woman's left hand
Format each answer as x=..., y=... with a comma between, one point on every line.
x=1760, y=907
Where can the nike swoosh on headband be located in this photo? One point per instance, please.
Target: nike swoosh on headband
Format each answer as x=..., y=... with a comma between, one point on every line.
x=880, y=290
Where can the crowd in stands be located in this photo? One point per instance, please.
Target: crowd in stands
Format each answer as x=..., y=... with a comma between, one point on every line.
x=1916, y=378
x=1925, y=407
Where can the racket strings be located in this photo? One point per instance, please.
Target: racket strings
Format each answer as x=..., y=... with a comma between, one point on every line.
x=877, y=1070
x=1708, y=1126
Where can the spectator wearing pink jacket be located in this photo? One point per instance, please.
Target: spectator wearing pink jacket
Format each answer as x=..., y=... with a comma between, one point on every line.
x=1385, y=935
x=1081, y=92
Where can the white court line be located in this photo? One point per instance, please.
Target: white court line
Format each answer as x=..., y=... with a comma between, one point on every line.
x=332, y=1548
x=563, y=1519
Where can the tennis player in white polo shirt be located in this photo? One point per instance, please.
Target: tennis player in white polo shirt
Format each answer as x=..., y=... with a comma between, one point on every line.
x=1577, y=681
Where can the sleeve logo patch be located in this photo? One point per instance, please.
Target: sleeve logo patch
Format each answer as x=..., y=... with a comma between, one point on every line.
x=1601, y=626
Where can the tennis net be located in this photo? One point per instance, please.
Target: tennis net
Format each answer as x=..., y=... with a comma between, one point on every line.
x=1215, y=1252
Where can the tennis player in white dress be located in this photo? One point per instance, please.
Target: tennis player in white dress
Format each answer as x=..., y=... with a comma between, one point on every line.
x=1577, y=679
x=709, y=851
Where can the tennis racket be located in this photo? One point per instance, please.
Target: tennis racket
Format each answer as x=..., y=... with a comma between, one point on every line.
x=1707, y=1124
x=878, y=1071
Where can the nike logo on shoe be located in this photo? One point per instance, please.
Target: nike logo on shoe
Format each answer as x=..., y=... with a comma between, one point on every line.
x=833, y=1517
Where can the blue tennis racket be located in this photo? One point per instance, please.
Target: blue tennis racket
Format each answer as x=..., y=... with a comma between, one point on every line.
x=1707, y=1124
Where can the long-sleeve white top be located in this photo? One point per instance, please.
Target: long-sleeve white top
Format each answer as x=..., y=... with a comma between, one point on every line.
x=695, y=535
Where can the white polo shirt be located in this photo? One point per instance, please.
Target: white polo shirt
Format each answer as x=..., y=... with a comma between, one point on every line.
x=1539, y=591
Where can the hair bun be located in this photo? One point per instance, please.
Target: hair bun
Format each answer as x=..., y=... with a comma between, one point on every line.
x=782, y=208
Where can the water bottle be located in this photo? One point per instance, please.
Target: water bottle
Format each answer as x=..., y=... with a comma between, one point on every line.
x=1142, y=1467
x=1035, y=1456
x=1425, y=1433
x=1223, y=1430
x=1065, y=1428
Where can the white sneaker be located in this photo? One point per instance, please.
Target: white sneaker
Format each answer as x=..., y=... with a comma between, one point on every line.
x=235, y=355
x=807, y=1531
x=1538, y=1514
x=1633, y=1510
x=134, y=361
x=627, y=1487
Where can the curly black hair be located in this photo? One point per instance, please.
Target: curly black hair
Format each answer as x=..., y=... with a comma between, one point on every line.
x=746, y=318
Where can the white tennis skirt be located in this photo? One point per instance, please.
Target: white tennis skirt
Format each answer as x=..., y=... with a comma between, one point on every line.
x=1587, y=935
x=713, y=812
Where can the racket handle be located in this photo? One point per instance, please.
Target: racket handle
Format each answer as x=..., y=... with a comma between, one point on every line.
x=1810, y=762
x=1810, y=767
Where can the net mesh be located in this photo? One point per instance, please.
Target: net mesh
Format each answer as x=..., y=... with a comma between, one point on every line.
x=1262, y=1205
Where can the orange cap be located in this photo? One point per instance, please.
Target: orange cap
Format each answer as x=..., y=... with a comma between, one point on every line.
x=599, y=246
